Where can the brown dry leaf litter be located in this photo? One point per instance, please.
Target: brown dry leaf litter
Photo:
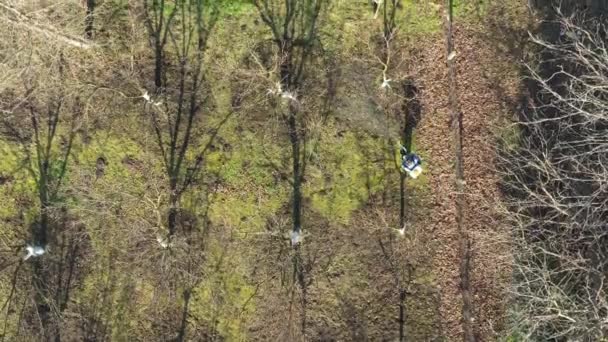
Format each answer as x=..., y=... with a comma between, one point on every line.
x=481, y=105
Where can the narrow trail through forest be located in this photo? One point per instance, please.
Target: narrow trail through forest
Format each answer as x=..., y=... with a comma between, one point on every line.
x=481, y=105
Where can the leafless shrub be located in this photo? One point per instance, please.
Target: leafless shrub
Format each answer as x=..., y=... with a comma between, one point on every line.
x=556, y=187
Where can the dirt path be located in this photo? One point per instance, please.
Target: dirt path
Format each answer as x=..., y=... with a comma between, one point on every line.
x=481, y=106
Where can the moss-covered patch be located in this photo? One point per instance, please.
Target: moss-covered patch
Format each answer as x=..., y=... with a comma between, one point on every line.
x=18, y=184
x=251, y=188
x=237, y=7
x=246, y=209
x=420, y=18
x=225, y=298
x=124, y=160
x=509, y=137
x=470, y=9
x=342, y=178
x=9, y=327
x=109, y=301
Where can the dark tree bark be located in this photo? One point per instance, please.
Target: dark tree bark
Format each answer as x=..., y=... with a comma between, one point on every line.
x=48, y=170
x=293, y=24
x=463, y=238
x=294, y=28
x=179, y=32
x=174, y=134
x=403, y=276
x=401, y=315
x=88, y=22
x=184, y=321
x=411, y=117
x=296, y=170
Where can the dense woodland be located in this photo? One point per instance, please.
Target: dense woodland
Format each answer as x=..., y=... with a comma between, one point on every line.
x=229, y=170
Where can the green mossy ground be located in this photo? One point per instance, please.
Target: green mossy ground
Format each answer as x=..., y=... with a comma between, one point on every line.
x=340, y=181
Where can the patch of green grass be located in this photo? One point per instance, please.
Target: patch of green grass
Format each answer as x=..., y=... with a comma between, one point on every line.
x=470, y=9
x=10, y=318
x=11, y=167
x=105, y=285
x=247, y=208
x=350, y=23
x=343, y=178
x=224, y=298
x=251, y=190
x=235, y=7
x=23, y=173
x=419, y=18
x=508, y=136
x=118, y=152
x=514, y=337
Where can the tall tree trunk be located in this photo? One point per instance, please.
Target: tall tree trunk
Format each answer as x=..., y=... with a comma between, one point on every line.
x=402, y=195
x=408, y=130
x=297, y=212
x=401, y=315
x=88, y=22
x=158, y=62
x=42, y=275
x=39, y=233
x=407, y=143
x=463, y=238
x=41, y=229
x=173, y=206
x=296, y=169
x=39, y=276
x=42, y=297
x=184, y=322
x=299, y=274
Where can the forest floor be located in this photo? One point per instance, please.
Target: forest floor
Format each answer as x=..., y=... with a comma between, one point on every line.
x=484, y=81
x=356, y=264
x=355, y=296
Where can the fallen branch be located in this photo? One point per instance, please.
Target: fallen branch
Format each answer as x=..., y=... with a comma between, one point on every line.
x=48, y=31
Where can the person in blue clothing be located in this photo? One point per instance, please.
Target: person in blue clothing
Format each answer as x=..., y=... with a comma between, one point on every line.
x=410, y=163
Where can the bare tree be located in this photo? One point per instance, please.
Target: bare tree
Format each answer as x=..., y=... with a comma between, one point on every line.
x=294, y=27
x=89, y=19
x=179, y=32
x=403, y=269
x=180, y=99
x=555, y=180
x=44, y=121
x=463, y=235
x=13, y=16
x=397, y=95
x=294, y=30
